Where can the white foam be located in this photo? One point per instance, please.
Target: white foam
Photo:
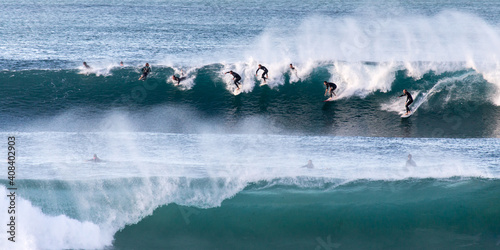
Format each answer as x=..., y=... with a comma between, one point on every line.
x=362, y=79
x=36, y=230
x=189, y=76
x=100, y=68
x=247, y=70
x=146, y=170
x=394, y=39
x=448, y=41
x=395, y=104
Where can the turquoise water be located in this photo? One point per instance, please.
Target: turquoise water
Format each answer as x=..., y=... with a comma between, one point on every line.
x=196, y=166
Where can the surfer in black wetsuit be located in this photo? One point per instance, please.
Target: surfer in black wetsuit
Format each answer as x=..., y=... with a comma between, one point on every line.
x=86, y=65
x=409, y=100
x=145, y=71
x=264, y=75
x=178, y=79
x=294, y=70
x=330, y=86
x=236, y=78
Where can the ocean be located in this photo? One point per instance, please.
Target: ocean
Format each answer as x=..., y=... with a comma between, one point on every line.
x=200, y=166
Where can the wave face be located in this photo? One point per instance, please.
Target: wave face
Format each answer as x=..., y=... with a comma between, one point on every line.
x=217, y=190
x=448, y=104
x=411, y=214
x=292, y=213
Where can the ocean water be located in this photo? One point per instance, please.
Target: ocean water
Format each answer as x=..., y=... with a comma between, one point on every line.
x=195, y=166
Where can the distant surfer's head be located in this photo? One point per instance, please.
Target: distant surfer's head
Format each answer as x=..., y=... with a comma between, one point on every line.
x=260, y=65
x=147, y=64
x=324, y=82
x=409, y=156
x=173, y=77
x=404, y=91
x=95, y=156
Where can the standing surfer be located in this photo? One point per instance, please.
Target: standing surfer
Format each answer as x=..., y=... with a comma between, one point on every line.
x=409, y=100
x=236, y=78
x=145, y=71
x=330, y=86
x=264, y=75
x=294, y=70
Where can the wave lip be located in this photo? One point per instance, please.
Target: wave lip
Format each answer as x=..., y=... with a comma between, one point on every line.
x=409, y=213
x=454, y=97
x=198, y=208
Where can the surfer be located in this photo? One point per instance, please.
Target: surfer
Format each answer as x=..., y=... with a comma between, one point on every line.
x=309, y=165
x=145, y=71
x=410, y=162
x=178, y=79
x=86, y=65
x=330, y=86
x=294, y=70
x=236, y=78
x=264, y=75
x=409, y=100
x=95, y=159
x=121, y=64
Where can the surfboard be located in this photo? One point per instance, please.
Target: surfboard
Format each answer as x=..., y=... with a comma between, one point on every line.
x=237, y=91
x=330, y=99
x=406, y=115
x=263, y=84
